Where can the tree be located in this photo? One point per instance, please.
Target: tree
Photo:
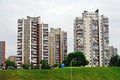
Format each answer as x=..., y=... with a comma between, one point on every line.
x=44, y=64
x=29, y=66
x=25, y=66
x=115, y=60
x=76, y=58
x=118, y=62
x=10, y=63
x=68, y=59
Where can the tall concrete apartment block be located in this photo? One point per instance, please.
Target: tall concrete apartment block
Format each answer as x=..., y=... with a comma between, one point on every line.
x=113, y=51
x=44, y=46
x=91, y=36
x=2, y=53
x=32, y=43
x=57, y=46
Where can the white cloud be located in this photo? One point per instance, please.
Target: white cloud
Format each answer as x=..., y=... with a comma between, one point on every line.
x=57, y=13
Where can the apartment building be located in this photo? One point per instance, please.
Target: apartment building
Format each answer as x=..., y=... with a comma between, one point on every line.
x=30, y=40
x=57, y=46
x=91, y=36
x=44, y=46
x=2, y=53
x=113, y=51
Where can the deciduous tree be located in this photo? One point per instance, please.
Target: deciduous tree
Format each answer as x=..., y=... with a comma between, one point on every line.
x=76, y=58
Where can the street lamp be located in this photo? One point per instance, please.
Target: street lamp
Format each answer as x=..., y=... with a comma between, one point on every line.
x=71, y=66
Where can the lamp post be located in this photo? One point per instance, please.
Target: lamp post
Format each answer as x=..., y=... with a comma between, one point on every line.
x=40, y=66
x=71, y=69
x=71, y=66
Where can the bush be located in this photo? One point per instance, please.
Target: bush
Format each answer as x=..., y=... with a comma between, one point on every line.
x=25, y=66
x=56, y=65
x=59, y=65
x=44, y=64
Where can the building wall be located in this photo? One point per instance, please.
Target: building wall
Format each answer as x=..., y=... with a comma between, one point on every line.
x=87, y=38
x=113, y=51
x=91, y=36
x=51, y=48
x=57, y=46
x=104, y=40
x=63, y=45
x=2, y=52
x=44, y=47
x=31, y=43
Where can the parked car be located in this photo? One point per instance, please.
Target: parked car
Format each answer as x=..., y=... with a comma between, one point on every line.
x=11, y=67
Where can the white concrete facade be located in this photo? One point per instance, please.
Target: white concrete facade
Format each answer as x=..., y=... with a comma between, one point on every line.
x=91, y=36
x=30, y=41
x=57, y=46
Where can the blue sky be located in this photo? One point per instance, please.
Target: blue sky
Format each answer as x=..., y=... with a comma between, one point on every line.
x=56, y=13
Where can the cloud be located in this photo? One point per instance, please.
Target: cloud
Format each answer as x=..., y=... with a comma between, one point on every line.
x=57, y=13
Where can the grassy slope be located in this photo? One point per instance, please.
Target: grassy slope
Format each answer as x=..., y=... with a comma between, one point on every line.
x=86, y=73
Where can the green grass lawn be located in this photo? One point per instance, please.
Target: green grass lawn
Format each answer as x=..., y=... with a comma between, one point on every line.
x=82, y=73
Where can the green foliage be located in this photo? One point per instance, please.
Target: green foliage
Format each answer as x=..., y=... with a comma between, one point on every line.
x=118, y=62
x=56, y=65
x=115, y=61
x=10, y=63
x=25, y=66
x=44, y=64
x=29, y=66
x=34, y=67
x=76, y=59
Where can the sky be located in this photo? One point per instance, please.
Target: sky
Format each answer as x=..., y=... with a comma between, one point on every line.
x=57, y=14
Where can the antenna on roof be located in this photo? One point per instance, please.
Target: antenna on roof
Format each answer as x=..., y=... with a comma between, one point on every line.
x=97, y=11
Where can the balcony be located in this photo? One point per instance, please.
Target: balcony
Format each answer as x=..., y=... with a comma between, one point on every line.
x=106, y=23
x=19, y=43
x=34, y=53
x=19, y=62
x=19, y=37
x=33, y=56
x=19, y=56
x=95, y=47
x=19, y=50
x=34, y=61
x=34, y=33
x=34, y=50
